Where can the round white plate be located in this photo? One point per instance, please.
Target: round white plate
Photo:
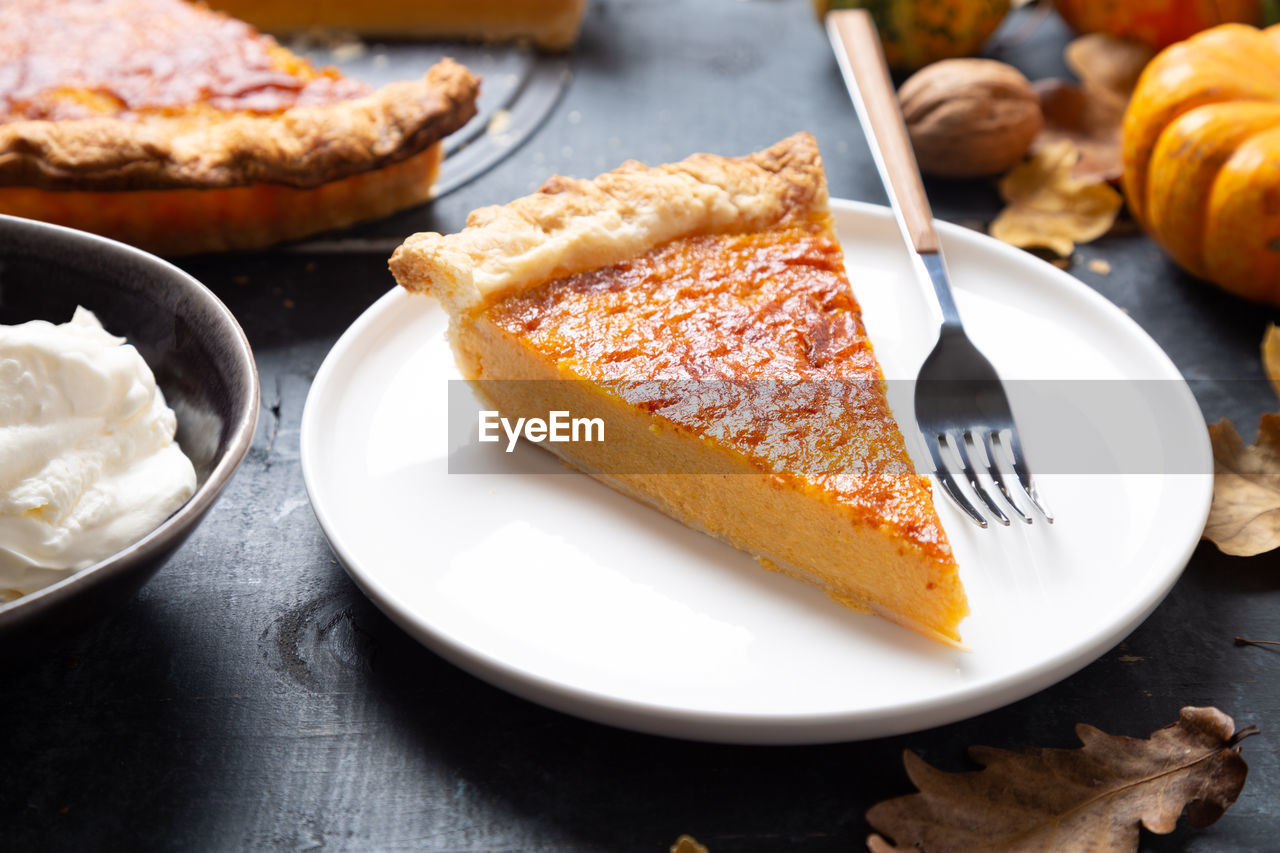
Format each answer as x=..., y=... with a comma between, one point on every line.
x=554, y=587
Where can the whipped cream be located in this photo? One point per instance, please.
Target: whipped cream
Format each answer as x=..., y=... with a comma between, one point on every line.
x=88, y=464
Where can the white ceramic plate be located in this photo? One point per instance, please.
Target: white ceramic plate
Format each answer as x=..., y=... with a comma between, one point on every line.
x=552, y=586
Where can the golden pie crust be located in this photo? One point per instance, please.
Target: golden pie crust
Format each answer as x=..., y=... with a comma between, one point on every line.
x=571, y=225
x=180, y=166
x=701, y=310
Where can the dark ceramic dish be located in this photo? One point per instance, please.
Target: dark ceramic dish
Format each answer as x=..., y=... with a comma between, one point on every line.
x=200, y=358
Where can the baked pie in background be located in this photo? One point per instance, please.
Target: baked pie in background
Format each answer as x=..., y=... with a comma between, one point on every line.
x=182, y=130
x=550, y=24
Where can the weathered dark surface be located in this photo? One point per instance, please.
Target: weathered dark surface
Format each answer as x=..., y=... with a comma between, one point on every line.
x=251, y=697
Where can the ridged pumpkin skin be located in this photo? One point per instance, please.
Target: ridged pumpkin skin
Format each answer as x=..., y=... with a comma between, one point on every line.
x=917, y=32
x=1157, y=23
x=1202, y=157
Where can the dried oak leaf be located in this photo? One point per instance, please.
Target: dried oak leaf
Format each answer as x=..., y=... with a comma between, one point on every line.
x=687, y=844
x=1244, y=518
x=1093, y=125
x=1106, y=64
x=1093, y=798
x=1049, y=208
x=1090, y=114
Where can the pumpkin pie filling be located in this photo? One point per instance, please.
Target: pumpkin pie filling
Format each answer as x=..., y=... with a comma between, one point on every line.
x=729, y=363
x=798, y=393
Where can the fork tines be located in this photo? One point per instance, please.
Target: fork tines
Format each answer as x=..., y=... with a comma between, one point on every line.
x=990, y=461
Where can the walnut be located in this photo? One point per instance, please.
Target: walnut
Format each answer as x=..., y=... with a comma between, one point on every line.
x=969, y=118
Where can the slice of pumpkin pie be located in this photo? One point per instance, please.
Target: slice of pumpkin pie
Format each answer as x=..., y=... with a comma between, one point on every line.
x=701, y=311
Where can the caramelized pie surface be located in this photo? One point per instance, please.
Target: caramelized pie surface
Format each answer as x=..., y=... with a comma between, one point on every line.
x=754, y=340
x=70, y=59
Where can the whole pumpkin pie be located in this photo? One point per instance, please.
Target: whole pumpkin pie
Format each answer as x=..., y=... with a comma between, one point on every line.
x=179, y=129
x=702, y=312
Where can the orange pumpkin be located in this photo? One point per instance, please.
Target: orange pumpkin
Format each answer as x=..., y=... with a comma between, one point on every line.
x=1156, y=23
x=1202, y=157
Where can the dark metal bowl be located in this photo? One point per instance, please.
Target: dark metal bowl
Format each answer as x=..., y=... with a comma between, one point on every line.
x=200, y=358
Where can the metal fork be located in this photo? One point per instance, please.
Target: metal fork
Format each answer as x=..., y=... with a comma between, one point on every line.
x=961, y=406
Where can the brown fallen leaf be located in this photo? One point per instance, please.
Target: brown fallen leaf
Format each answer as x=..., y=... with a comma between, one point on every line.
x=1093, y=798
x=1092, y=125
x=1244, y=518
x=1049, y=208
x=1106, y=64
x=1090, y=113
x=1271, y=355
x=687, y=844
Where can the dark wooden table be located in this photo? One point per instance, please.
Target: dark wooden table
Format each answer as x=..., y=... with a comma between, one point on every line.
x=250, y=697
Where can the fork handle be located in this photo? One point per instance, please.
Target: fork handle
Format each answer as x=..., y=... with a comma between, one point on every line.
x=857, y=46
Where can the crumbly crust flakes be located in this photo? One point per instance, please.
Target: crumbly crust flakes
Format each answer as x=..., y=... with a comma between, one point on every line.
x=573, y=225
x=301, y=147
